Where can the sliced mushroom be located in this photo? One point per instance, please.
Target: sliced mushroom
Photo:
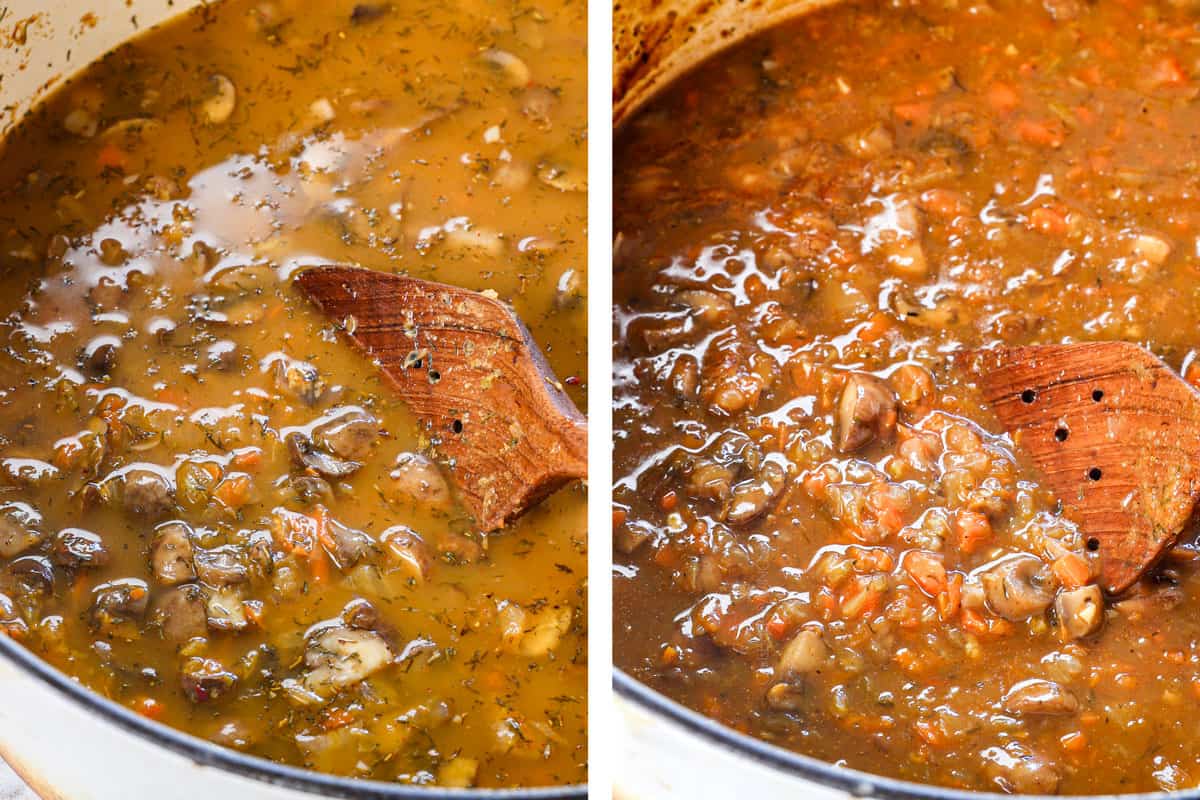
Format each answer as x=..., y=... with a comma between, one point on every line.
x=300, y=379
x=171, y=554
x=119, y=601
x=1016, y=588
x=75, y=547
x=205, y=679
x=1014, y=770
x=805, y=653
x=545, y=631
x=418, y=480
x=1080, y=611
x=866, y=412
x=307, y=455
x=147, y=493
x=512, y=69
x=181, y=613
x=338, y=656
x=349, y=546
x=99, y=357
x=308, y=490
x=225, y=611
x=221, y=566
x=1037, y=696
x=20, y=525
x=349, y=435
x=752, y=498
x=405, y=546
x=219, y=106
x=33, y=575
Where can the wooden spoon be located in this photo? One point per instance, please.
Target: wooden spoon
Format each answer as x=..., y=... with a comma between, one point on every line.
x=495, y=415
x=1115, y=432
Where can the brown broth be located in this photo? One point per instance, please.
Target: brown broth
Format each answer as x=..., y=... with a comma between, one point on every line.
x=149, y=210
x=846, y=201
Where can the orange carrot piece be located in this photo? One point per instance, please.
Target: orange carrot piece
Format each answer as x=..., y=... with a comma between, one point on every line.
x=913, y=113
x=1002, y=97
x=1045, y=133
x=1048, y=220
x=1071, y=570
x=972, y=530
x=927, y=570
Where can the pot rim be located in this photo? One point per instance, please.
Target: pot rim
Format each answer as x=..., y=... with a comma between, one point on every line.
x=852, y=781
x=209, y=754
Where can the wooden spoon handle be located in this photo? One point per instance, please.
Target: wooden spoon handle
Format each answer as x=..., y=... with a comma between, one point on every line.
x=493, y=410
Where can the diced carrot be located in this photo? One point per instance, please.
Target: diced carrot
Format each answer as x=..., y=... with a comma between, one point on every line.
x=337, y=718
x=1002, y=97
x=149, y=707
x=1046, y=133
x=670, y=655
x=943, y=203
x=250, y=458
x=1167, y=71
x=668, y=501
x=927, y=570
x=972, y=529
x=778, y=627
x=234, y=491
x=875, y=328
x=973, y=621
x=950, y=600
x=913, y=113
x=1049, y=221
x=1074, y=742
x=1072, y=570
x=619, y=515
x=111, y=157
x=930, y=732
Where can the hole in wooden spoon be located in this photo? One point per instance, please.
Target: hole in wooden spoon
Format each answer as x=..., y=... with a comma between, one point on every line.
x=1093, y=544
x=1094, y=473
x=1028, y=396
x=456, y=426
x=1061, y=434
x=1098, y=395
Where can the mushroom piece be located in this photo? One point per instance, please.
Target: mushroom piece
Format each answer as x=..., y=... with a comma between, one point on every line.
x=1014, y=770
x=75, y=547
x=806, y=652
x=225, y=610
x=1016, y=588
x=19, y=528
x=338, y=656
x=32, y=574
x=349, y=435
x=221, y=566
x=171, y=554
x=300, y=379
x=417, y=479
x=406, y=547
x=146, y=493
x=349, y=546
x=219, y=106
x=99, y=357
x=305, y=454
x=752, y=498
x=205, y=679
x=120, y=600
x=1037, y=696
x=1080, y=612
x=866, y=412
x=181, y=613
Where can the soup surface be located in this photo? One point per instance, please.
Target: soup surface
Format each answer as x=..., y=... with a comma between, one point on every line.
x=821, y=537
x=212, y=511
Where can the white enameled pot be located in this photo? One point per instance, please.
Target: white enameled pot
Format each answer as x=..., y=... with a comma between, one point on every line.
x=66, y=742
x=663, y=750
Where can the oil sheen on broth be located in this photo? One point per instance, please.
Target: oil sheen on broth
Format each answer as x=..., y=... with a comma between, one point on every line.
x=212, y=511
x=820, y=536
